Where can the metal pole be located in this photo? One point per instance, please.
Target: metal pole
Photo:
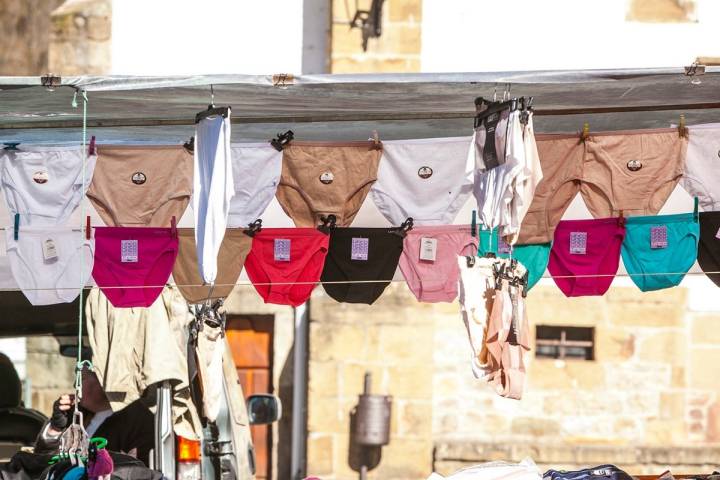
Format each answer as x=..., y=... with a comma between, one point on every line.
x=299, y=408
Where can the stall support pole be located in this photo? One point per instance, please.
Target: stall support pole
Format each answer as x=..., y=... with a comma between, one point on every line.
x=299, y=407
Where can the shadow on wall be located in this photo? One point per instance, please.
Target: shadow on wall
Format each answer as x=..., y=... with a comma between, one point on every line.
x=285, y=393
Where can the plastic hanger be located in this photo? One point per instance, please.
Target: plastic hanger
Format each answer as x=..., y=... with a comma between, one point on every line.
x=212, y=110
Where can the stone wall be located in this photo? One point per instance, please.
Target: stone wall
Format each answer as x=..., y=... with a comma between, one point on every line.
x=661, y=11
x=396, y=50
x=80, y=41
x=653, y=384
x=25, y=36
x=50, y=374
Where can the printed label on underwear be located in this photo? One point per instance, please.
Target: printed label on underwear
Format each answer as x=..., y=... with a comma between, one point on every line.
x=428, y=249
x=425, y=172
x=634, y=165
x=717, y=235
x=360, y=248
x=138, y=178
x=282, y=250
x=490, y=156
x=503, y=247
x=327, y=178
x=49, y=250
x=40, y=177
x=129, y=251
x=578, y=243
x=658, y=237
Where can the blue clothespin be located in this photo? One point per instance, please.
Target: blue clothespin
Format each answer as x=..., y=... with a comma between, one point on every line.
x=11, y=145
x=17, y=226
x=696, y=216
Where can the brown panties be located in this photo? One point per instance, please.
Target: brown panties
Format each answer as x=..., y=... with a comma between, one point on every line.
x=561, y=159
x=324, y=178
x=233, y=250
x=141, y=186
x=633, y=172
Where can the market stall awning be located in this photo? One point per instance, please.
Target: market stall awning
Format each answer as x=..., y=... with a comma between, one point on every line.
x=348, y=106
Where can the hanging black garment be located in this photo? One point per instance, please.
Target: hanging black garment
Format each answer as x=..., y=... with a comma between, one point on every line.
x=357, y=255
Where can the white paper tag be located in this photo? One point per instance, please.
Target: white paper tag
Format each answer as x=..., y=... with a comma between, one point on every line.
x=129, y=251
x=282, y=250
x=49, y=250
x=578, y=243
x=658, y=237
x=360, y=247
x=428, y=249
x=717, y=235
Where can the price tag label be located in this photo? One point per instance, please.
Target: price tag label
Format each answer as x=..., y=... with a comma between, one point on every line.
x=282, y=250
x=49, y=249
x=428, y=249
x=360, y=247
x=658, y=237
x=129, y=251
x=578, y=243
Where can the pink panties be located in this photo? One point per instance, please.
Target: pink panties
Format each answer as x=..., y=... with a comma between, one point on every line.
x=434, y=278
x=132, y=264
x=586, y=254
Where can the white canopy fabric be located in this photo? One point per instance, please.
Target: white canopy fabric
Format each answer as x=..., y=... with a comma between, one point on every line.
x=338, y=101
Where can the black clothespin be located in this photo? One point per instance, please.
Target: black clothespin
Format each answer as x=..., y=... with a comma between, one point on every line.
x=470, y=259
x=17, y=226
x=190, y=145
x=91, y=147
x=473, y=224
x=11, y=146
x=212, y=110
x=524, y=283
x=253, y=228
x=282, y=139
x=404, y=227
x=328, y=223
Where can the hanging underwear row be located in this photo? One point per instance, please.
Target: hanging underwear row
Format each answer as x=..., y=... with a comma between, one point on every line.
x=355, y=265
x=427, y=180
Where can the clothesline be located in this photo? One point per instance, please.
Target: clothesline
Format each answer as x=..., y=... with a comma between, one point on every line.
x=343, y=282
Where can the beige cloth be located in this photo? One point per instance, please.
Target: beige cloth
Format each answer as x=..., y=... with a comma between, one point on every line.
x=141, y=186
x=323, y=178
x=231, y=258
x=134, y=348
x=209, y=351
